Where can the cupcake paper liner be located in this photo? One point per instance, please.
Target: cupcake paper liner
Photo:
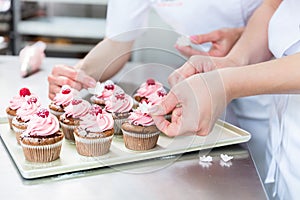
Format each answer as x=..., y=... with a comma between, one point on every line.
x=139, y=141
x=93, y=147
x=56, y=113
x=118, y=124
x=68, y=131
x=10, y=118
x=42, y=153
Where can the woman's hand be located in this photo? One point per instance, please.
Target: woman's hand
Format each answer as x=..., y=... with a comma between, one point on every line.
x=195, y=103
x=199, y=64
x=67, y=75
x=222, y=41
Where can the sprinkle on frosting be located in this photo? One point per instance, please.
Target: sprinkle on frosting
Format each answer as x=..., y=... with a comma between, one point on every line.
x=28, y=108
x=42, y=125
x=120, y=102
x=77, y=108
x=148, y=88
x=65, y=96
x=141, y=116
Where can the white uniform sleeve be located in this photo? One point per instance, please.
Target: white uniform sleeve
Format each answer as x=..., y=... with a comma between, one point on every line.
x=126, y=18
x=248, y=7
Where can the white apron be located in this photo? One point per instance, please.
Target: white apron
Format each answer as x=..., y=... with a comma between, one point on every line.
x=283, y=148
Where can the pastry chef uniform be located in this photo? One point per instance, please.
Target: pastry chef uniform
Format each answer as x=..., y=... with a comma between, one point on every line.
x=190, y=17
x=127, y=18
x=283, y=148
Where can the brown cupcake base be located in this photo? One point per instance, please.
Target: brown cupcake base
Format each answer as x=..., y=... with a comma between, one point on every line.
x=42, y=149
x=93, y=146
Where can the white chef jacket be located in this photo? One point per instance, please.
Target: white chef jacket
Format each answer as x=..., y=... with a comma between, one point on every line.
x=126, y=20
x=186, y=17
x=284, y=141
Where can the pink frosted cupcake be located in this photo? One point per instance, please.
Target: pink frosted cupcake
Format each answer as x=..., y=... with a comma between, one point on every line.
x=94, y=135
x=62, y=100
x=42, y=140
x=120, y=104
x=139, y=132
x=24, y=114
x=146, y=89
x=15, y=103
x=102, y=92
x=70, y=119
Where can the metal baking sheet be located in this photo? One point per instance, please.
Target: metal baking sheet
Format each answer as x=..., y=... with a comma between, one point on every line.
x=70, y=161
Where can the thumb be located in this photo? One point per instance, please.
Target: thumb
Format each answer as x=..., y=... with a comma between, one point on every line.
x=85, y=80
x=166, y=106
x=203, y=38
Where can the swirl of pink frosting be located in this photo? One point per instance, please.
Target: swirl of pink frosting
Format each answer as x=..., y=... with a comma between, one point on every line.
x=77, y=108
x=119, y=105
x=16, y=102
x=157, y=96
x=145, y=89
x=65, y=96
x=40, y=126
x=139, y=118
x=97, y=123
x=28, y=108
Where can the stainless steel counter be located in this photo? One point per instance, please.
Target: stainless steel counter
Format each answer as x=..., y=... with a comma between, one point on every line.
x=172, y=177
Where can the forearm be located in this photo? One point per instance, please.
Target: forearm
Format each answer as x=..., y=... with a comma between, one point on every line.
x=252, y=47
x=106, y=59
x=272, y=77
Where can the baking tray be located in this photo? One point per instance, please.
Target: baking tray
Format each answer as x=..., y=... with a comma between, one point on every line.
x=223, y=134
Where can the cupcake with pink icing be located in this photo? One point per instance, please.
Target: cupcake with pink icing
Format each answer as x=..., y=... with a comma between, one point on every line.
x=42, y=140
x=94, y=135
x=24, y=114
x=62, y=100
x=15, y=103
x=102, y=92
x=119, y=105
x=139, y=132
x=77, y=109
x=146, y=89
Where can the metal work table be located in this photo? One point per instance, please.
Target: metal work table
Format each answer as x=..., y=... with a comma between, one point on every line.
x=172, y=177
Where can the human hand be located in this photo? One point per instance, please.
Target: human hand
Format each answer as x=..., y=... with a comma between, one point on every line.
x=199, y=64
x=222, y=41
x=67, y=75
x=195, y=103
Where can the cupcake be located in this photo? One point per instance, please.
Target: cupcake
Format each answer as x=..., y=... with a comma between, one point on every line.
x=62, y=100
x=70, y=119
x=119, y=105
x=24, y=114
x=94, y=135
x=15, y=103
x=146, y=89
x=102, y=92
x=140, y=132
x=42, y=140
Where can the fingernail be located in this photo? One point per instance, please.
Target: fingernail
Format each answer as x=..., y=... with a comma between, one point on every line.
x=194, y=38
x=92, y=83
